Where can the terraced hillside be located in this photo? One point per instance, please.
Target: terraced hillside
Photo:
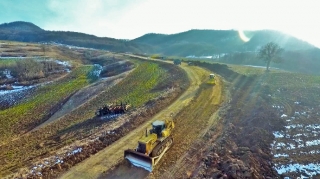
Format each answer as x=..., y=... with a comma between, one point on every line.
x=140, y=83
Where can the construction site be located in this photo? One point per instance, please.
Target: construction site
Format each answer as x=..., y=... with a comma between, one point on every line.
x=152, y=119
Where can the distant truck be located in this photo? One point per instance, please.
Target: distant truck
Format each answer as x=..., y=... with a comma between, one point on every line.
x=177, y=62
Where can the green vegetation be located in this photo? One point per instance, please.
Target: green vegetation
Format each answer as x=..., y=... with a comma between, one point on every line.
x=16, y=120
x=143, y=84
x=137, y=87
x=5, y=63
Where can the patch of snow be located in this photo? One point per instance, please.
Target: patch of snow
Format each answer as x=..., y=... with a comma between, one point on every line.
x=279, y=145
x=313, y=126
x=290, y=146
x=298, y=135
x=313, y=142
x=110, y=116
x=281, y=155
x=284, y=115
x=17, y=57
x=309, y=169
x=97, y=69
x=293, y=126
x=63, y=63
x=260, y=66
x=7, y=73
x=278, y=134
x=15, y=89
x=59, y=161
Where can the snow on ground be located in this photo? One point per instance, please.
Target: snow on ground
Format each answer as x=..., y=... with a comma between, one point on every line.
x=260, y=67
x=97, y=69
x=278, y=134
x=63, y=63
x=16, y=89
x=299, y=137
x=11, y=97
x=7, y=73
x=16, y=57
x=309, y=169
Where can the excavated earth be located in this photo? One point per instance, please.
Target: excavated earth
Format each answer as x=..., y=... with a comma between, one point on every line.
x=106, y=133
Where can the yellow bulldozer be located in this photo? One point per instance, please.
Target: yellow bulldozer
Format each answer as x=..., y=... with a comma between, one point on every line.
x=151, y=146
x=212, y=80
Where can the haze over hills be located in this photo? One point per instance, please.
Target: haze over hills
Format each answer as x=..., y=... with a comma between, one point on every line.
x=208, y=42
x=299, y=55
x=192, y=42
x=28, y=32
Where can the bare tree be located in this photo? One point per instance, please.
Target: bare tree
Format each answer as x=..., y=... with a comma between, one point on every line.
x=271, y=52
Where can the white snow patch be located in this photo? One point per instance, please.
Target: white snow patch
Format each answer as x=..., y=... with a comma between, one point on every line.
x=281, y=155
x=278, y=134
x=97, y=70
x=16, y=89
x=63, y=63
x=293, y=126
x=313, y=142
x=7, y=73
x=309, y=169
x=284, y=115
x=313, y=126
x=59, y=160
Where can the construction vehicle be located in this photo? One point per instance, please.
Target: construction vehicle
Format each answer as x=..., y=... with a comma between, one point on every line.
x=212, y=79
x=112, y=109
x=151, y=146
x=177, y=62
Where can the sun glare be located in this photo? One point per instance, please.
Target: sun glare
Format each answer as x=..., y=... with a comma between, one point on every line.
x=243, y=36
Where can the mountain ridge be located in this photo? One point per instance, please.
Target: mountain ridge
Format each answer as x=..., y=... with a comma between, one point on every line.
x=28, y=32
x=192, y=42
x=219, y=41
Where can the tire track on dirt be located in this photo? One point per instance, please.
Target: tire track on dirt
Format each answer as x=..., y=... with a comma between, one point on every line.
x=191, y=124
x=82, y=96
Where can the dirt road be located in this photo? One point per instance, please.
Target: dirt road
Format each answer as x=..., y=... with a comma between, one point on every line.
x=110, y=156
x=84, y=95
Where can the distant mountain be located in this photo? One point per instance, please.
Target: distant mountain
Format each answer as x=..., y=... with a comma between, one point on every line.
x=209, y=42
x=20, y=26
x=192, y=42
x=28, y=32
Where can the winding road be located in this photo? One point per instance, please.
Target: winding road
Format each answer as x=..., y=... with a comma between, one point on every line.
x=106, y=159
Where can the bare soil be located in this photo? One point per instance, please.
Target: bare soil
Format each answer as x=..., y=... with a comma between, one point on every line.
x=83, y=96
x=112, y=155
x=103, y=133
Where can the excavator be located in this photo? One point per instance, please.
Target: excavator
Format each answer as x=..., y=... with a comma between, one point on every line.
x=151, y=146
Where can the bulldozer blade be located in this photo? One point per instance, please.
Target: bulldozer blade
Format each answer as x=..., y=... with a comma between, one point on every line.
x=138, y=159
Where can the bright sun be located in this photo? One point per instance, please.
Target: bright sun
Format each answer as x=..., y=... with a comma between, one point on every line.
x=243, y=36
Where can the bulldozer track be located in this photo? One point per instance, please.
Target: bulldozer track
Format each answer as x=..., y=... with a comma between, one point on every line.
x=160, y=147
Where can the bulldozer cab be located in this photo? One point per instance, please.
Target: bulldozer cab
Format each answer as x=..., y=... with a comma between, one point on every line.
x=157, y=127
x=211, y=76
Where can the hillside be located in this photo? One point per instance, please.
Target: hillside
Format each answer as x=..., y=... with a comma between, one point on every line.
x=28, y=32
x=209, y=42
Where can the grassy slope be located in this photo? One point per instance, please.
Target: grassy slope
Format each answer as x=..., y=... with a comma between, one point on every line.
x=137, y=88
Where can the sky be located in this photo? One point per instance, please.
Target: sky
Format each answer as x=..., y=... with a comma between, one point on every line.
x=129, y=19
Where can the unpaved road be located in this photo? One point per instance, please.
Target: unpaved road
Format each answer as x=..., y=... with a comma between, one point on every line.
x=84, y=95
x=94, y=166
